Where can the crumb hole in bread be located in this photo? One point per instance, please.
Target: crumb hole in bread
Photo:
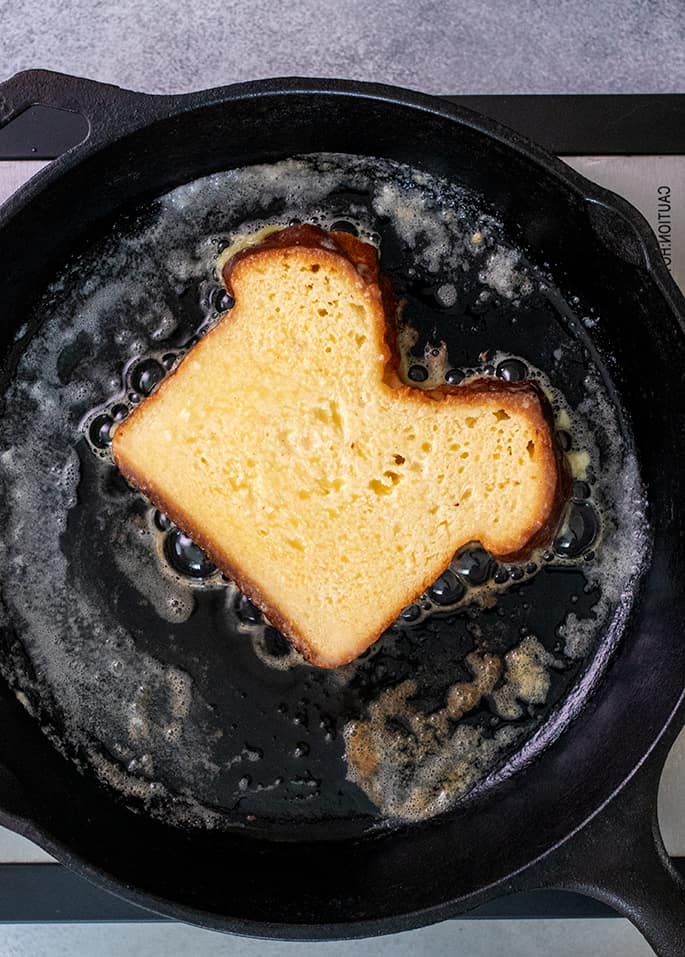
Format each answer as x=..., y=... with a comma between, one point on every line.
x=425, y=446
x=360, y=340
x=385, y=485
x=501, y=415
x=399, y=459
x=323, y=312
x=470, y=421
x=466, y=495
x=315, y=267
x=530, y=449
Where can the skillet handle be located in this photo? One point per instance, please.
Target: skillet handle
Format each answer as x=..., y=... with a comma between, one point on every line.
x=107, y=109
x=618, y=857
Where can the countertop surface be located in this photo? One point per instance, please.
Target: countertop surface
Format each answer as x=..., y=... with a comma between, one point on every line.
x=438, y=46
x=472, y=46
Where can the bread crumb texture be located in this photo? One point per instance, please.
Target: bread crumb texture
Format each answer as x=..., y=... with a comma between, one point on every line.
x=332, y=493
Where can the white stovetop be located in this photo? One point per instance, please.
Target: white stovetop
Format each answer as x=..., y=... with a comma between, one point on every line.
x=640, y=179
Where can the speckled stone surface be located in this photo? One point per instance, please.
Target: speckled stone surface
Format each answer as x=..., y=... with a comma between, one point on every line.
x=438, y=46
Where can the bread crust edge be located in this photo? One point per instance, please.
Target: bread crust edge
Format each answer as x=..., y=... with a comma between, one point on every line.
x=529, y=399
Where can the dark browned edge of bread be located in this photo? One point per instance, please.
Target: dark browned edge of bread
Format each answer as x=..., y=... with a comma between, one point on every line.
x=364, y=260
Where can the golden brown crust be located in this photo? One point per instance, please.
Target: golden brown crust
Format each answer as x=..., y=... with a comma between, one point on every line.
x=361, y=255
x=361, y=258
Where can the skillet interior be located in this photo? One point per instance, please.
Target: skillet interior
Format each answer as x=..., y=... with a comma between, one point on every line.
x=175, y=692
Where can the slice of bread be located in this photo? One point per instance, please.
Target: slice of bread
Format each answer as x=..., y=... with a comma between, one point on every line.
x=285, y=445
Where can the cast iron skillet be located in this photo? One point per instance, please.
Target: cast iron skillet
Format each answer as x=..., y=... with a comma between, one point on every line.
x=582, y=816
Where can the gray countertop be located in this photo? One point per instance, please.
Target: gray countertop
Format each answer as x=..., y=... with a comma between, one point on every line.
x=438, y=46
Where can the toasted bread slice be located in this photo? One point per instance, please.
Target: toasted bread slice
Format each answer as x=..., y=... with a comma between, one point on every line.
x=286, y=447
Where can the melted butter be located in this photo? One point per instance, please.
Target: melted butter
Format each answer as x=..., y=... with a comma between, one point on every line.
x=406, y=760
x=243, y=241
x=578, y=462
x=563, y=420
x=526, y=680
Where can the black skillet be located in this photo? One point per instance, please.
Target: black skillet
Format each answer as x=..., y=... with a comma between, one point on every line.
x=582, y=815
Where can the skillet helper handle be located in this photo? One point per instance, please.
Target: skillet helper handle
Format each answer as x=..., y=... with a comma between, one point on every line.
x=106, y=108
x=619, y=858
